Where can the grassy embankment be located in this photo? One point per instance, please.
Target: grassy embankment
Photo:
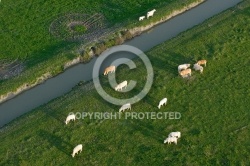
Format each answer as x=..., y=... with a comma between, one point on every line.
x=26, y=36
x=214, y=107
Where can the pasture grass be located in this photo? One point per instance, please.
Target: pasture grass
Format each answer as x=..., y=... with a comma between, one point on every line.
x=80, y=28
x=25, y=31
x=214, y=108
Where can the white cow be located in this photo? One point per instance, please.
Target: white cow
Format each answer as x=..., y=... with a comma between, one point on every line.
x=183, y=67
x=198, y=67
x=169, y=140
x=76, y=150
x=121, y=85
x=150, y=13
x=70, y=117
x=141, y=18
x=176, y=134
x=163, y=101
x=124, y=107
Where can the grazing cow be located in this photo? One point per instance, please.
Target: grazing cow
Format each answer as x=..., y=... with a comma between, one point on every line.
x=169, y=140
x=176, y=134
x=198, y=67
x=124, y=107
x=70, y=117
x=121, y=85
x=185, y=72
x=141, y=18
x=202, y=62
x=163, y=101
x=76, y=150
x=183, y=67
x=150, y=13
x=109, y=69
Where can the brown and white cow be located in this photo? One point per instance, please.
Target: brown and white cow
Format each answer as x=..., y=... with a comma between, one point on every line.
x=202, y=62
x=109, y=69
x=186, y=72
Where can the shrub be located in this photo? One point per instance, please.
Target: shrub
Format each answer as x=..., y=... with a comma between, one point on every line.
x=100, y=47
x=110, y=43
x=118, y=40
x=126, y=35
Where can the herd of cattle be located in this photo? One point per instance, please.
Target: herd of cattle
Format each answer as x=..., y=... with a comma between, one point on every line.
x=183, y=70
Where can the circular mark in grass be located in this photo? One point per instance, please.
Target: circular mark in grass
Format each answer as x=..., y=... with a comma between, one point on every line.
x=80, y=27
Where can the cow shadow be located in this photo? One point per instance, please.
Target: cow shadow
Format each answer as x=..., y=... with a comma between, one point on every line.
x=55, y=115
x=104, y=102
x=150, y=101
x=145, y=98
x=145, y=129
x=171, y=62
x=56, y=141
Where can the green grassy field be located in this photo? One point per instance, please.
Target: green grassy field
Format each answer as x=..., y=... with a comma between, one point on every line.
x=214, y=108
x=25, y=31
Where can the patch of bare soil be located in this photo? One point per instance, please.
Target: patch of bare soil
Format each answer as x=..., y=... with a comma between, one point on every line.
x=10, y=69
